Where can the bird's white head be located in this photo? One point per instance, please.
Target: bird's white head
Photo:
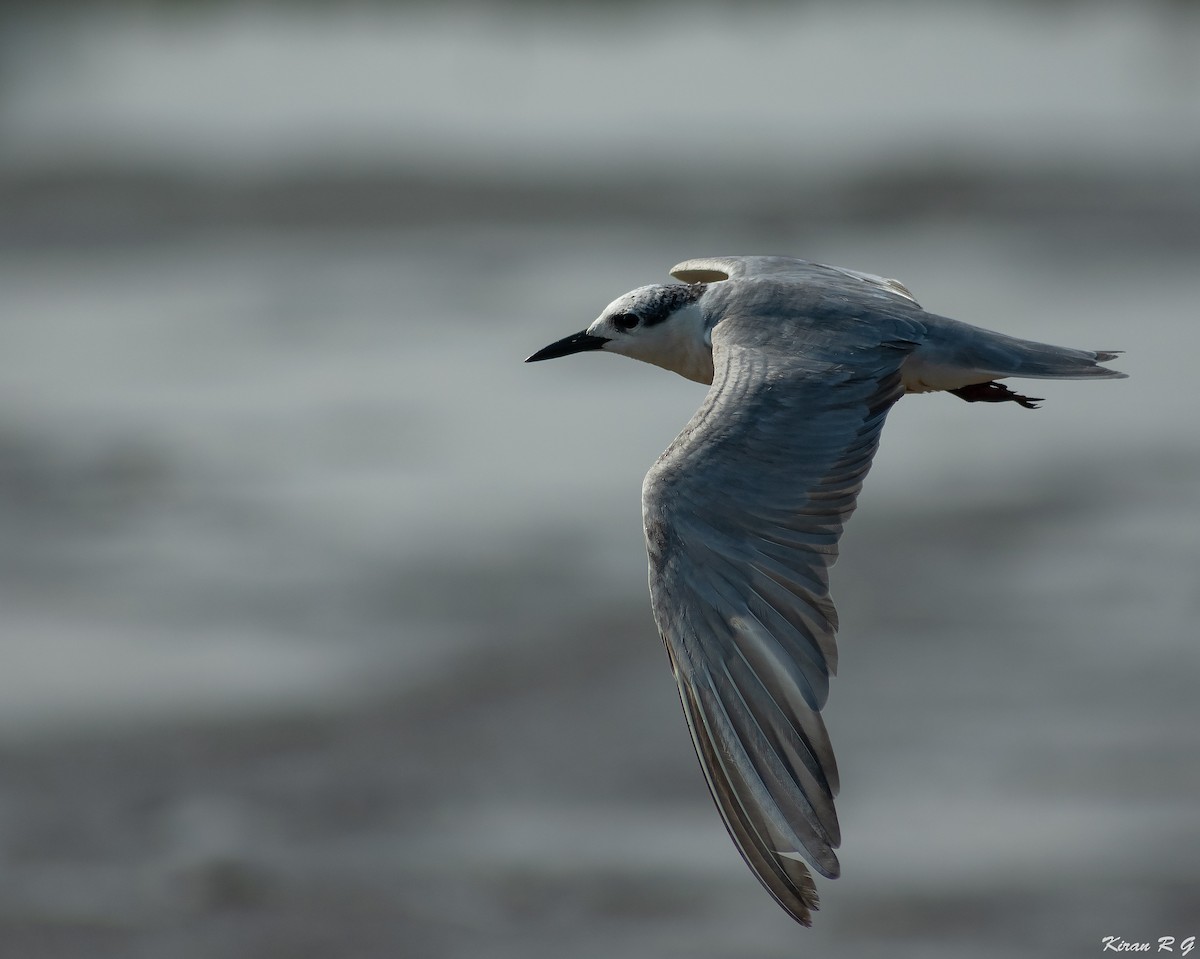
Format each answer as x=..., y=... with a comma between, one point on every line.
x=661, y=324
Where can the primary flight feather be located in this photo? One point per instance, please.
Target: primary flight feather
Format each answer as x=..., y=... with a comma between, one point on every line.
x=744, y=510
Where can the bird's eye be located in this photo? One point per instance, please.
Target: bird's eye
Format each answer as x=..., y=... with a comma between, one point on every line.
x=626, y=321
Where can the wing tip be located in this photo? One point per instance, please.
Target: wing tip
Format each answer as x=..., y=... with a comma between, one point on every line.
x=802, y=899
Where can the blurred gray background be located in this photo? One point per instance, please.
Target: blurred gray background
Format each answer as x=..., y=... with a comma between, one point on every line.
x=323, y=620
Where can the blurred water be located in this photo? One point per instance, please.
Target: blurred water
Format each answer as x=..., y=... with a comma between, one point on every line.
x=583, y=90
x=323, y=618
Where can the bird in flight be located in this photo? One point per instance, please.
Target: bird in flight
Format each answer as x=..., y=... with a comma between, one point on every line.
x=744, y=510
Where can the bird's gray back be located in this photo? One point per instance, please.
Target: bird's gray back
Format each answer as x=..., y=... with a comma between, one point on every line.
x=824, y=313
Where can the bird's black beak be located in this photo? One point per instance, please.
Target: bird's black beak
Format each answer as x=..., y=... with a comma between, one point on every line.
x=575, y=343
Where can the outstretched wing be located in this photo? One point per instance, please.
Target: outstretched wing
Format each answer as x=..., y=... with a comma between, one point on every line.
x=743, y=513
x=711, y=269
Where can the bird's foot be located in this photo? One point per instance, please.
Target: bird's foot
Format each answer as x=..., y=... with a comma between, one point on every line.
x=993, y=392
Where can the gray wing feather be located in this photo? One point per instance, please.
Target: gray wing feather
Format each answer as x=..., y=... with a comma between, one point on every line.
x=712, y=269
x=743, y=513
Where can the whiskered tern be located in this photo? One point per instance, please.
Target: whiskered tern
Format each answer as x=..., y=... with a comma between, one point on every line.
x=744, y=510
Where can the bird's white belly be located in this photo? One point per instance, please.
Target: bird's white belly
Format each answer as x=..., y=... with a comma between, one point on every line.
x=921, y=376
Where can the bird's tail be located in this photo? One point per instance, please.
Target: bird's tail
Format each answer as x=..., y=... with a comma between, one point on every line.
x=993, y=355
x=953, y=355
